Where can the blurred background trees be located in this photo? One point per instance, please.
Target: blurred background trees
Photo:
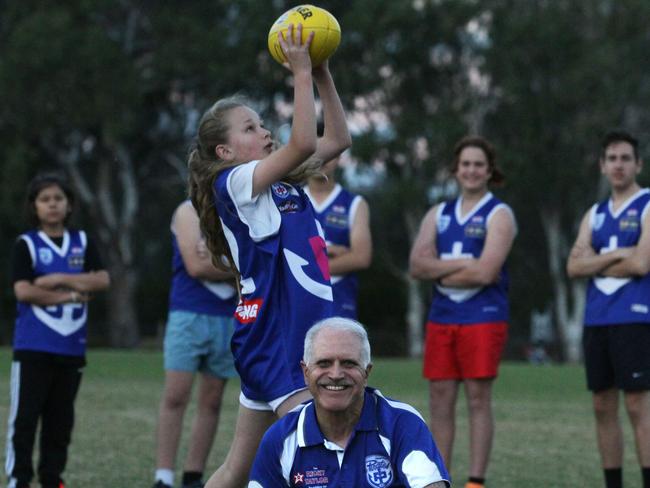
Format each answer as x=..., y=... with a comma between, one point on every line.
x=111, y=91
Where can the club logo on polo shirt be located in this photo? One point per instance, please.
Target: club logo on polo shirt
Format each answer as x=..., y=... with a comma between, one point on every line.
x=45, y=255
x=316, y=477
x=379, y=472
x=298, y=478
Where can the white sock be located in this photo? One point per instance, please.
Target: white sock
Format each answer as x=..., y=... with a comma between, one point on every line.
x=166, y=476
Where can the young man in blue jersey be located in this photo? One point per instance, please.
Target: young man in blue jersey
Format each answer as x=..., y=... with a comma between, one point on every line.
x=613, y=250
x=345, y=219
x=350, y=434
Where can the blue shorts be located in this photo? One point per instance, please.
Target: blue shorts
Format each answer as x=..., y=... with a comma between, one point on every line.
x=199, y=342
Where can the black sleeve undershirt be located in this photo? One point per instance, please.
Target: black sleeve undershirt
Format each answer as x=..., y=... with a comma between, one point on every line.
x=22, y=268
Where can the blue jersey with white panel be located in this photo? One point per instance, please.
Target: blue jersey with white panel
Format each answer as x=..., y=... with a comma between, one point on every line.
x=458, y=237
x=612, y=301
x=57, y=329
x=194, y=295
x=336, y=215
x=279, y=249
x=391, y=446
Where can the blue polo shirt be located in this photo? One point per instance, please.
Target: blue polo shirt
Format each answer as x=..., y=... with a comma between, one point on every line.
x=391, y=447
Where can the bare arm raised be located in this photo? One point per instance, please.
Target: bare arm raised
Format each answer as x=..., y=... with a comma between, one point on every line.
x=302, y=141
x=336, y=136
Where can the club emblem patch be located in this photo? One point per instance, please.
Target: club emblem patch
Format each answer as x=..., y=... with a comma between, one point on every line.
x=599, y=221
x=379, y=472
x=442, y=224
x=45, y=255
x=280, y=190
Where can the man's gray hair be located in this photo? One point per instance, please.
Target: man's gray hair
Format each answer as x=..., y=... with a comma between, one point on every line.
x=342, y=324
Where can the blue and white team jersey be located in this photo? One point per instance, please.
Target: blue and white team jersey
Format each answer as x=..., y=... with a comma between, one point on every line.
x=57, y=329
x=198, y=296
x=464, y=237
x=391, y=446
x=336, y=215
x=279, y=249
x=612, y=301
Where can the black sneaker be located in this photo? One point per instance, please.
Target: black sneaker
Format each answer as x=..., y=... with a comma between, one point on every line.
x=194, y=484
x=160, y=484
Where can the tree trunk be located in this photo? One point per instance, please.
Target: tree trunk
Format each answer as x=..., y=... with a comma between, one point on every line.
x=415, y=303
x=122, y=314
x=113, y=211
x=569, y=301
x=414, y=317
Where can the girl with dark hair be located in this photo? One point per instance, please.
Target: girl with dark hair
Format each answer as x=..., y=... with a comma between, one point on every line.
x=254, y=212
x=462, y=246
x=55, y=269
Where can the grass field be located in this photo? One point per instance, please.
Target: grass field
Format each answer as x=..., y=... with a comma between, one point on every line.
x=544, y=425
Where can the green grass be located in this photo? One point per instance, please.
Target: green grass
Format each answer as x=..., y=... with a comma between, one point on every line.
x=544, y=424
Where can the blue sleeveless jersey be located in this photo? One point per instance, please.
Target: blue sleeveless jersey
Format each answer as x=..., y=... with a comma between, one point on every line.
x=464, y=237
x=57, y=329
x=336, y=215
x=612, y=301
x=285, y=284
x=198, y=296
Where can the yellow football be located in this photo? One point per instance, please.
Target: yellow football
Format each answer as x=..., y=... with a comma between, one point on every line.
x=327, y=32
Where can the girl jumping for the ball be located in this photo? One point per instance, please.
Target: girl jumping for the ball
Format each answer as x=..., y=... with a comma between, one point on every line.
x=265, y=227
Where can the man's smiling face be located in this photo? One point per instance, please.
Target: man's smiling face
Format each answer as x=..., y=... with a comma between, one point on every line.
x=336, y=376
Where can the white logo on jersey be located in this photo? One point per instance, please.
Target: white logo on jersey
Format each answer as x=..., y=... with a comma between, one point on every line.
x=609, y=285
x=639, y=308
x=296, y=264
x=379, y=472
x=442, y=224
x=280, y=190
x=457, y=294
x=45, y=255
x=247, y=310
x=66, y=324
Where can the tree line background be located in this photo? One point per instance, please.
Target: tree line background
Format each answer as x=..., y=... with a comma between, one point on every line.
x=110, y=92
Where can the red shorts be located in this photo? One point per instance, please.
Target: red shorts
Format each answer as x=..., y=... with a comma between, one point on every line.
x=456, y=352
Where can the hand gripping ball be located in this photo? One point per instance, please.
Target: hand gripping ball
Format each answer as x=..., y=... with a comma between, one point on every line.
x=327, y=32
